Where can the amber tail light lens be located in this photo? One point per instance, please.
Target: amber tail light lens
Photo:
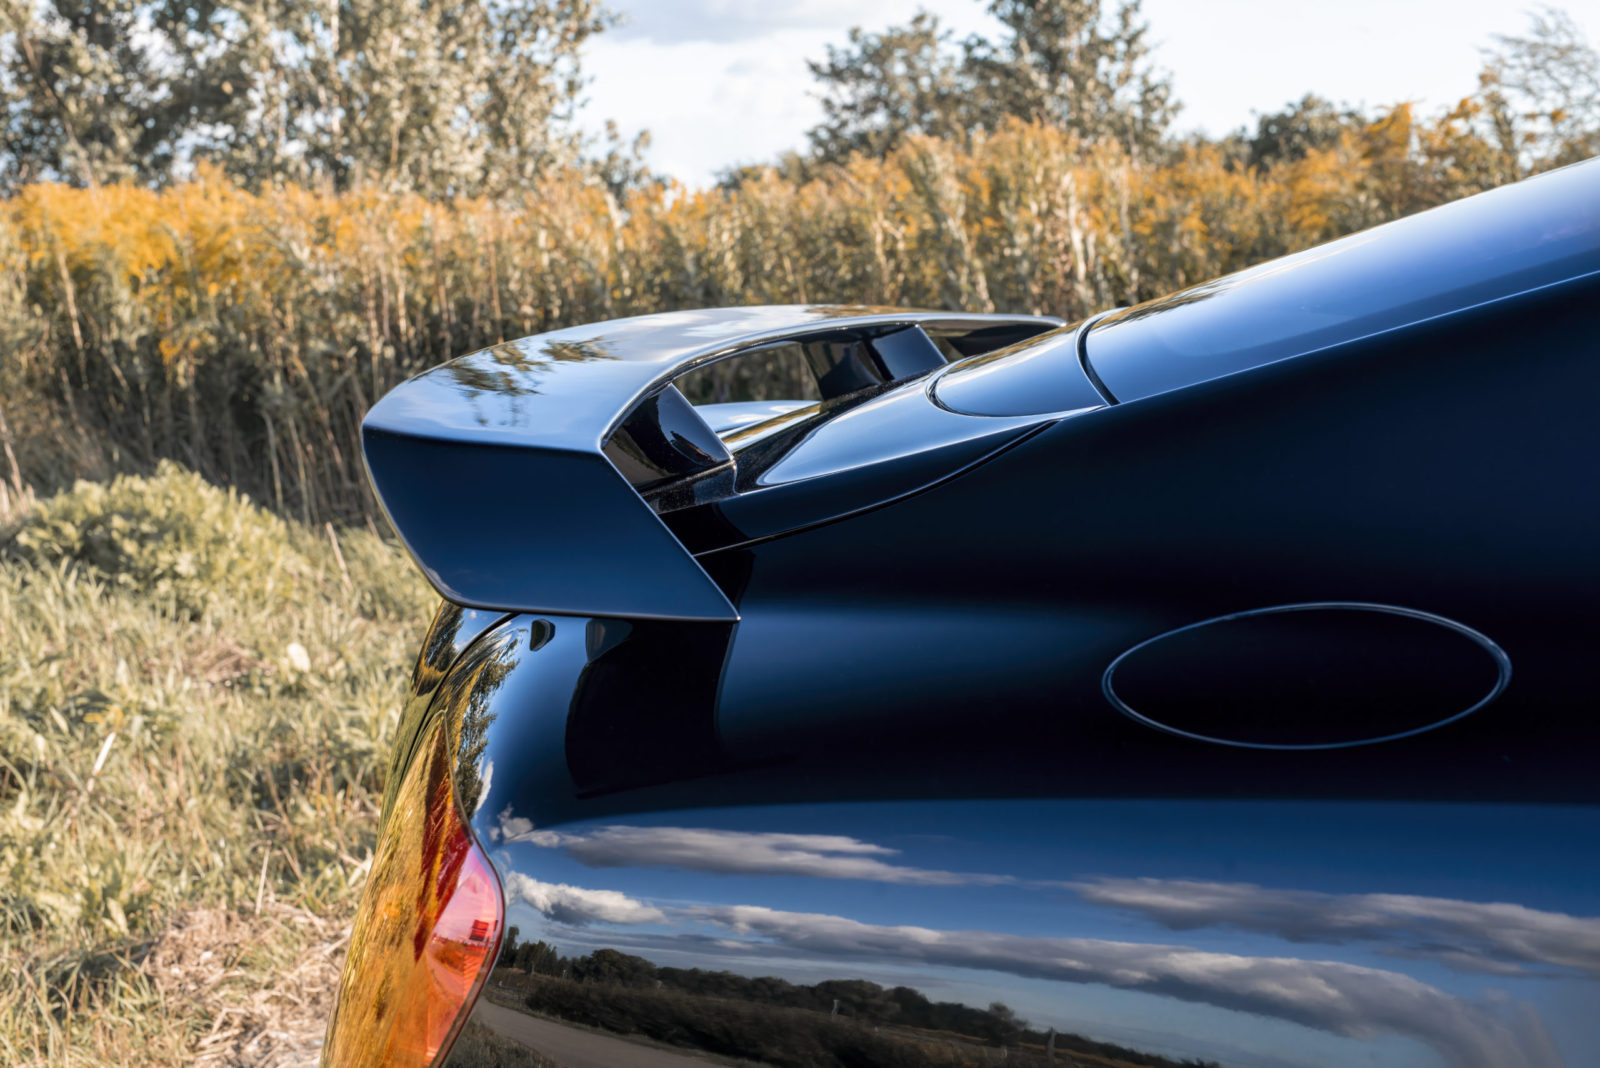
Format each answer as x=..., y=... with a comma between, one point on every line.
x=427, y=930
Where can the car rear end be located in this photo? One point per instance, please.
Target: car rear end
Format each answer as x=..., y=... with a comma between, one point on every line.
x=1200, y=683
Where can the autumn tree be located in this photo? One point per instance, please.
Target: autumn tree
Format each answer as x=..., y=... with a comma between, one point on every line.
x=1067, y=63
x=464, y=96
x=882, y=86
x=1540, y=92
x=81, y=97
x=1310, y=124
x=1074, y=64
x=1537, y=106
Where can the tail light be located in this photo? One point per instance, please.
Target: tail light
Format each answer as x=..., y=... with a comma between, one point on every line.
x=427, y=930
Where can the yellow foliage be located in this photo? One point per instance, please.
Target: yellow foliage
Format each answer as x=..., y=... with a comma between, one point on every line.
x=245, y=333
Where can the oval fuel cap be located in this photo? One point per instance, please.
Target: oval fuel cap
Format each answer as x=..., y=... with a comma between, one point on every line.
x=1308, y=676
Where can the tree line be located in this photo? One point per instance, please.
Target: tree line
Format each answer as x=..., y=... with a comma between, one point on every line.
x=477, y=97
x=453, y=98
x=857, y=1000
x=1085, y=66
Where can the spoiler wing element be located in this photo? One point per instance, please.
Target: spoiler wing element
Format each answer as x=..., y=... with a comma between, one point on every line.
x=492, y=466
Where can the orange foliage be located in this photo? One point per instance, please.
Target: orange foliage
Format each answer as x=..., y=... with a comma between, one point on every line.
x=245, y=334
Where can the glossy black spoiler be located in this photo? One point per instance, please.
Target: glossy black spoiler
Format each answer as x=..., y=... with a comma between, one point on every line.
x=493, y=468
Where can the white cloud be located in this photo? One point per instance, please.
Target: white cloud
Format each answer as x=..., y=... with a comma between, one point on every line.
x=577, y=906
x=719, y=83
x=673, y=21
x=817, y=856
x=1493, y=937
x=509, y=829
x=1345, y=999
x=485, y=783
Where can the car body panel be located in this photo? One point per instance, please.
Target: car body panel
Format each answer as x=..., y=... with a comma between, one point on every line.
x=1290, y=931
x=1244, y=714
x=1514, y=239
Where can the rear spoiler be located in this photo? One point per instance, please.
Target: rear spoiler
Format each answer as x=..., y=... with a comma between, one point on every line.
x=495, y=468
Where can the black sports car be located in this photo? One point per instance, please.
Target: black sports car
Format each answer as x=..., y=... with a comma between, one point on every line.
x=1213, y=680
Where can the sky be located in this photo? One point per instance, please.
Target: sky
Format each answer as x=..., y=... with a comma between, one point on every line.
x=720, y=83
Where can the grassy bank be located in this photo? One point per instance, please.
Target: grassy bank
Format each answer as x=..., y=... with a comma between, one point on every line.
x=479, y=1047
x=196, y=703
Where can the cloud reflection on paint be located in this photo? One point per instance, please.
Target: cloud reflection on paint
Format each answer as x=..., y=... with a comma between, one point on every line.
x=720, y=852
x=1340, y=998
x=577, y=906
x=1493, y=937
x=1483, y=937
x=1344, y=999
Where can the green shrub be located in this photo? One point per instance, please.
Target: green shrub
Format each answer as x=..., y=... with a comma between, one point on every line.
x=171, y=537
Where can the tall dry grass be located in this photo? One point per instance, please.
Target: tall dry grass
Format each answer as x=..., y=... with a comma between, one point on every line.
x=245, y=335
x=197, y=706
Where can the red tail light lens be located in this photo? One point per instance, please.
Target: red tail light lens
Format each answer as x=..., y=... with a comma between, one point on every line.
x=427, y=930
